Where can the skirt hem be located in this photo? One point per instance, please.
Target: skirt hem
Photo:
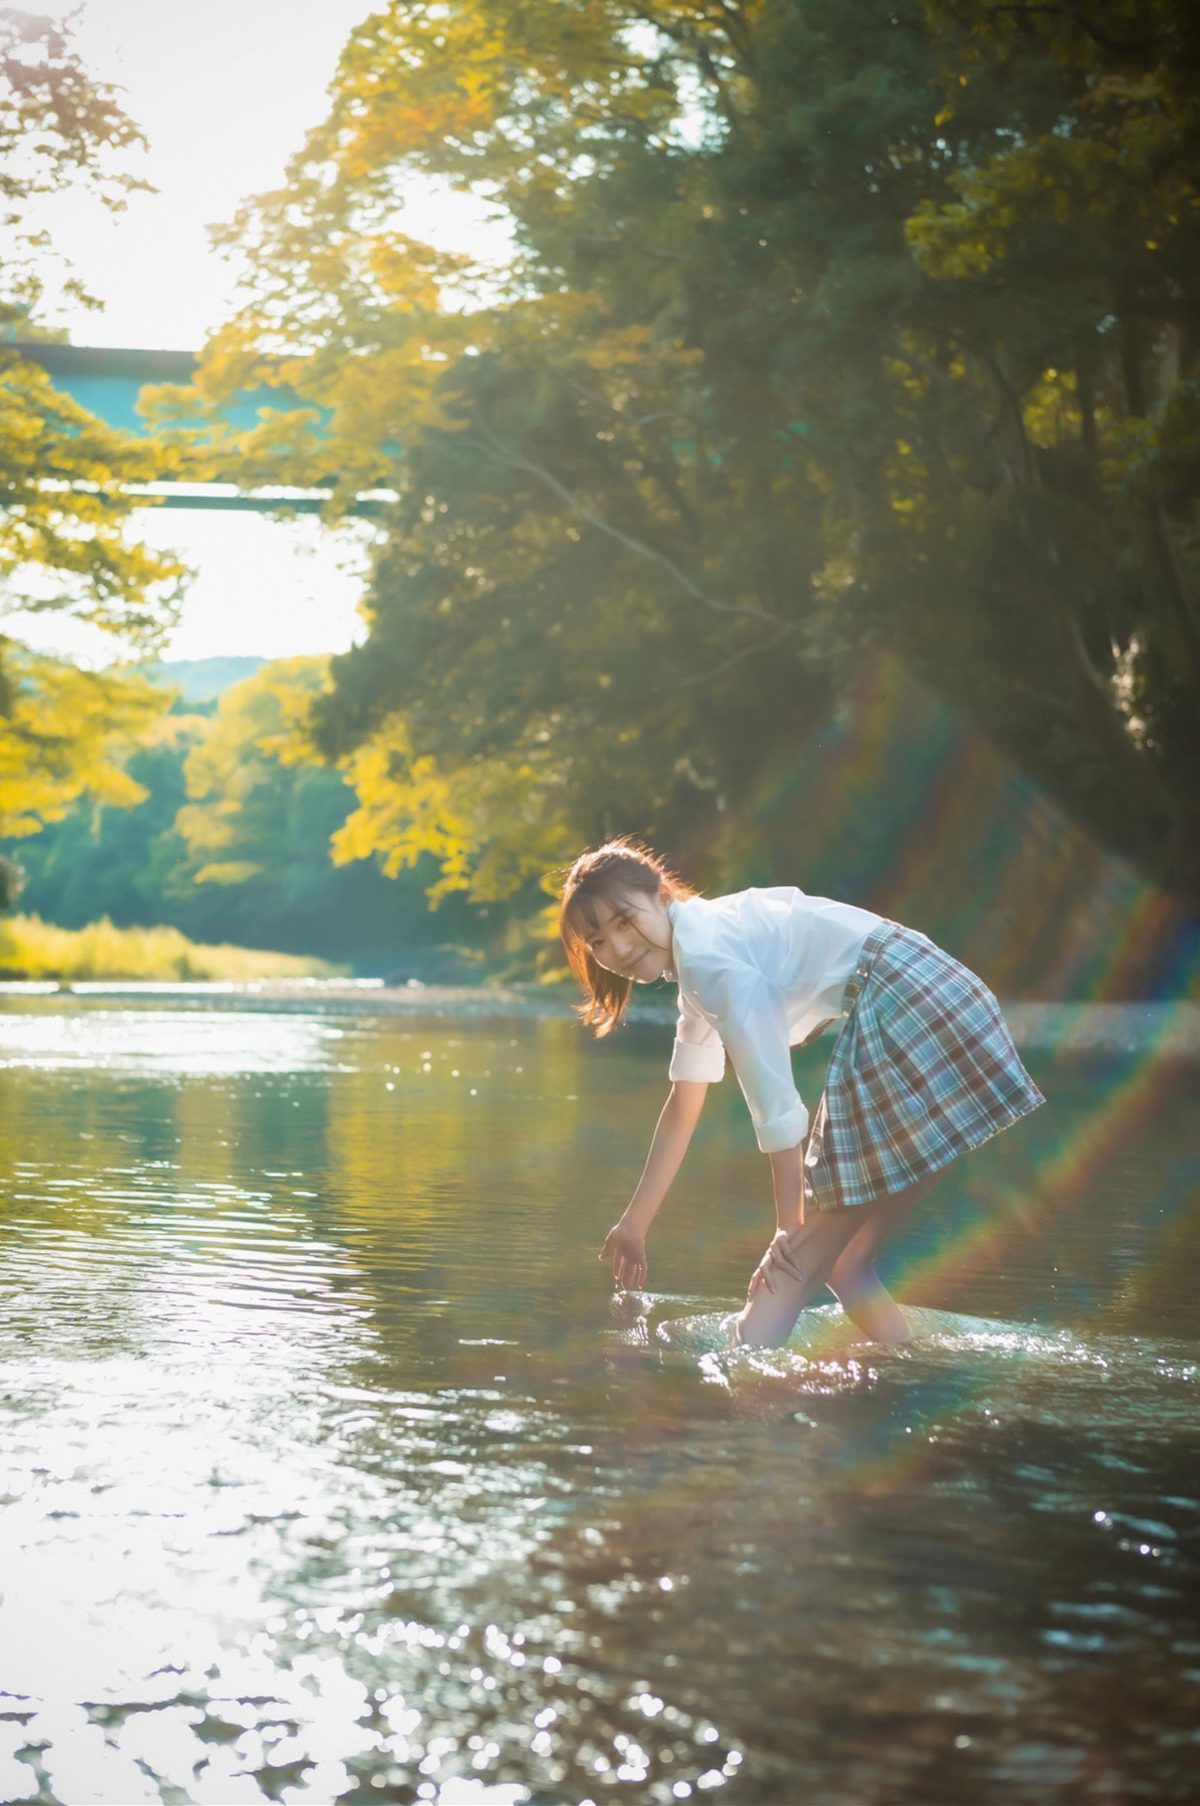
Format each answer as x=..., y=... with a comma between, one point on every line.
x=924, y=1070
x=930, y=1165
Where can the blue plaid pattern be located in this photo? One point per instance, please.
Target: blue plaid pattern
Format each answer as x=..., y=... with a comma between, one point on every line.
x=924, y=1069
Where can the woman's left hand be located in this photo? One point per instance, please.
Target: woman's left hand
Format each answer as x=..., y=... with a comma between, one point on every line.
x=780, y=1257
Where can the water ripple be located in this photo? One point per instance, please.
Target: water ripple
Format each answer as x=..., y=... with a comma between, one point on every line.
x=326, y=1475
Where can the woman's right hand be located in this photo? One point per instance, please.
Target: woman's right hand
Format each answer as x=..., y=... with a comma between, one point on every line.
x=625, y=1248
x=780, y=1259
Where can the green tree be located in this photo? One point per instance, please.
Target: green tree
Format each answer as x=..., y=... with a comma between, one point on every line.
x=1064, y=258
x=259, y=827
x=828, y=329
x=65, y=734
x=64, y=475
x=121, y=862
x=135, y=866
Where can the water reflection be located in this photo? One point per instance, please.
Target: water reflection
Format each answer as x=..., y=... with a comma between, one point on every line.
x=330, y=1475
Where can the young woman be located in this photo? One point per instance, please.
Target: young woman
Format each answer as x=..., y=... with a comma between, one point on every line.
x=923, y=1068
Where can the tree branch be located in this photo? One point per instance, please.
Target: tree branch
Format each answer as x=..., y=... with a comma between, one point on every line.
x=505, y=454
x=735, y=658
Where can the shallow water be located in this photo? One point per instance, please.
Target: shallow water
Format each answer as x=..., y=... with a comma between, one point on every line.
x=331, y=1471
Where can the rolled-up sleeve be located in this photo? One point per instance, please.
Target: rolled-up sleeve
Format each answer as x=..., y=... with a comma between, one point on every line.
x=698, y=1055
x=751, y=1019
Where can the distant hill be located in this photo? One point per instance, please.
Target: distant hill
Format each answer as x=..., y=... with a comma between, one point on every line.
x=202, y=680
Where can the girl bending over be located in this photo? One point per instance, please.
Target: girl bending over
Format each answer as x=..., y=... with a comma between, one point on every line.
x=923, y=1067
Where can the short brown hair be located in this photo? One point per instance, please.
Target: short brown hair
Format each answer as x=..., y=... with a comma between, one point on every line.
x=608, y=874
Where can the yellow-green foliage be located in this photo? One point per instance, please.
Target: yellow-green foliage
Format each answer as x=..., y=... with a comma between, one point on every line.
x=31, y=948
x=409, y=806
x=66, y=734
x=231, y=824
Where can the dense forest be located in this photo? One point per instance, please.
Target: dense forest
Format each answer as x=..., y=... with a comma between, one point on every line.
x=229, y=844
x=830, y=329
x=821, y=469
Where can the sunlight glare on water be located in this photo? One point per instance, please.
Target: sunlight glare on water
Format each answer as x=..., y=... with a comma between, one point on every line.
x=332, y=1473
x=158, y=1041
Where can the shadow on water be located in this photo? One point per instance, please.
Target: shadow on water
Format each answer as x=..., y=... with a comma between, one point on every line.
x=329, y=1475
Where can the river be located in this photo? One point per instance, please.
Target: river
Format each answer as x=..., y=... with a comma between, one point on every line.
x=332, y=1471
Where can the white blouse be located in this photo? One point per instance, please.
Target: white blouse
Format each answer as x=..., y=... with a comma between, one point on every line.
x=758, y=972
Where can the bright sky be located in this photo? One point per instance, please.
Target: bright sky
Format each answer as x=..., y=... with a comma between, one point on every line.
x=224, y=91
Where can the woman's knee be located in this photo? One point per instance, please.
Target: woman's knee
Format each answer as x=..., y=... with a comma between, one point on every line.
x=819, y=1245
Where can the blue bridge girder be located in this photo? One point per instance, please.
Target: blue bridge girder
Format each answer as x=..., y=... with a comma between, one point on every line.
x=108, y=382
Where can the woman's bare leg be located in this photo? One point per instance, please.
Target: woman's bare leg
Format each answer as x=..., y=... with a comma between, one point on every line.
x=871, y=1308
x=769, y=1316
x=853, y=1279
x=838, y=1249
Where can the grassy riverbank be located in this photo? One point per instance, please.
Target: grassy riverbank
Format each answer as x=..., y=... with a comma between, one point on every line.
x=31, y=948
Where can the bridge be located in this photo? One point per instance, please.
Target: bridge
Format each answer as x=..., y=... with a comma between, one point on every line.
x=109, y=382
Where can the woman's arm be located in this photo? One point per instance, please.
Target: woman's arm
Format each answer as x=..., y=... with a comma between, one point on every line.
x=787, y=1177
x=669, y=1144
x=625, y=1243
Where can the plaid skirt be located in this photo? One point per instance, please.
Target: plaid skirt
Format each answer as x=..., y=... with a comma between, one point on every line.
x=924, y=1068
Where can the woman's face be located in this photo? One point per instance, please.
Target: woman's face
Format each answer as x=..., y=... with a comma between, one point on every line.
x=632, y=937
